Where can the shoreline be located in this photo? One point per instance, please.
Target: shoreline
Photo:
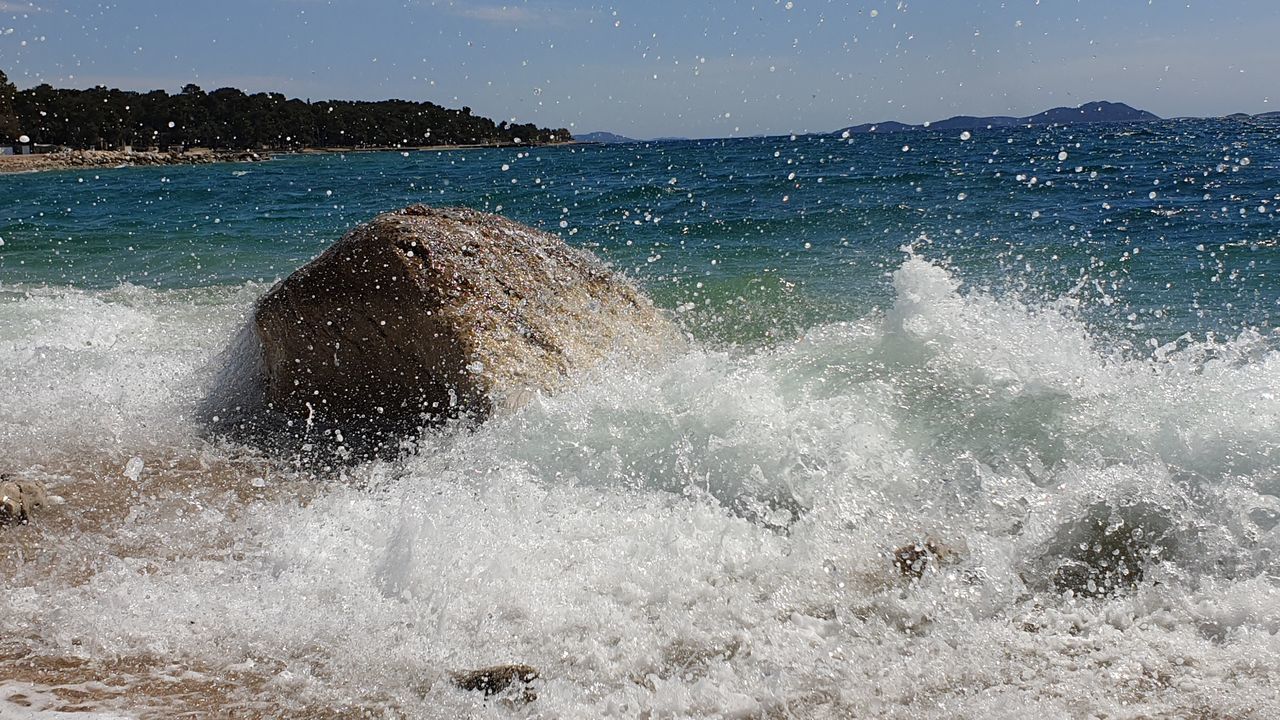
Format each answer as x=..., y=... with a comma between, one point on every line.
x=78, y=159
x=422, y=148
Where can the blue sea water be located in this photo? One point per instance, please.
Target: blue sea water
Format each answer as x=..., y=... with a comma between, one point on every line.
x=1175, y=222
x=1053, y=350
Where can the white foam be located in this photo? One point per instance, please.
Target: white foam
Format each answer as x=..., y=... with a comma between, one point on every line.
x=25, y=701
x=118, y=369
x=712, y=537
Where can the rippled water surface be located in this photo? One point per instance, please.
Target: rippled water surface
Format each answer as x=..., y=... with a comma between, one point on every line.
x=1048, y=355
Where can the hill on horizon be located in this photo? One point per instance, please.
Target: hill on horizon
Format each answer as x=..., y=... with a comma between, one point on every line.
x=1098, y=111
x=613, y=138
x=603, y=137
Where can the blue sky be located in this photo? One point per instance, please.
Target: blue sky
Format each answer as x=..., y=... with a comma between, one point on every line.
x=664, y=67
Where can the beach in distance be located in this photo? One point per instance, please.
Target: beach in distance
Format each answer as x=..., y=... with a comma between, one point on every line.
x=67, y=159
x=976, y=425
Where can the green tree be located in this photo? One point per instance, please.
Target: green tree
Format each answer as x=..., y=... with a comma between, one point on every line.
x=9, y=128
x=230, y=118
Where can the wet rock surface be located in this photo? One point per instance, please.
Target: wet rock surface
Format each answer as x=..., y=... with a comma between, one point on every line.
x=913, y=559
x=19, y=499
x=426, y=314
x=498, y=679
x=1107, y=557
x=71, y=159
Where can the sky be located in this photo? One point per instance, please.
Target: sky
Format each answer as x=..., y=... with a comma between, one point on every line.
x=672, y=67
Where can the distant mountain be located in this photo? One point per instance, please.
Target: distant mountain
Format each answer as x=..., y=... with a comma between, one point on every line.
x=1101, y=111
x=969, y=122
x=884, y=127
x=602, y=137
x=1092, y=112
x=1273, y=115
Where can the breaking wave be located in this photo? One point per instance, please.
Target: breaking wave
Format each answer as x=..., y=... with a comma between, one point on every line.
x=1091, y=529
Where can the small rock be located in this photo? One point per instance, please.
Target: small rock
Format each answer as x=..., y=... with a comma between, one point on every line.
x=911, y=560
x=496, y=679
x=18, y=498
x=1109, y=563
x=133, y=469
x=1105, y=550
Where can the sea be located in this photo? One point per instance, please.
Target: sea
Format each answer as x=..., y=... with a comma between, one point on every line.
x=980, y=425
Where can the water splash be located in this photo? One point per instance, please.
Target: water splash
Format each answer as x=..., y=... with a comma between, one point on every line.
x=712, y=536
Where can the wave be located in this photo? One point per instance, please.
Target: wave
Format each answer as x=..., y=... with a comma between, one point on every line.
x=710, y=536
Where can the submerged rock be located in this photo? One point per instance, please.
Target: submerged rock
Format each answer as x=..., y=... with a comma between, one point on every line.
x=18, y=499
x=497, y=679
x=426, y=314
x=913, y=559
x=1104, y=556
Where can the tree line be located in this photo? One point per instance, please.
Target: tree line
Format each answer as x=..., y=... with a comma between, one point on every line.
x=228, y=118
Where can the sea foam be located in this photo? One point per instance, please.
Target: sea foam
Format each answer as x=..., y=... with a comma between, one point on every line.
x=708, y=537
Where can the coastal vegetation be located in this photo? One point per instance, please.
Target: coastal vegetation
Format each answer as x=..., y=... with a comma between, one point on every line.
x=228, y=118
x=8, y=119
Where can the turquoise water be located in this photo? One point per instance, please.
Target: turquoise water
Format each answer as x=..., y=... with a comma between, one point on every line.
x=1066, y=371
x=1172, y=222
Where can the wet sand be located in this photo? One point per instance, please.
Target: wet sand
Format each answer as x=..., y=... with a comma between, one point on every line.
x=97, y=505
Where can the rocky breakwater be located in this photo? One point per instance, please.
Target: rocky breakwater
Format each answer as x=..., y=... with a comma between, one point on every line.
x=71, y=159
x=428, y=314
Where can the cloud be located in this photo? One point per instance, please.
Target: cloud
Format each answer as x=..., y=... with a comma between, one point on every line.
x=19, y=7
x=496, y=13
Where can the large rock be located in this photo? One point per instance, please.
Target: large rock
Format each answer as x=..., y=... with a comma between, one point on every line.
x=424, y=314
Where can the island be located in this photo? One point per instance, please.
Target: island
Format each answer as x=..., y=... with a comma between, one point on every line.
x=1100, y=111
